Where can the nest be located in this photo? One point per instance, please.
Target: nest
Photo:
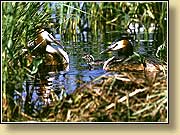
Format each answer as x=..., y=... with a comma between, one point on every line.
x=116, y=97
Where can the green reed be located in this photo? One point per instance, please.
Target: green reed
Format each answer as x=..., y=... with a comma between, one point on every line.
x=19, y=21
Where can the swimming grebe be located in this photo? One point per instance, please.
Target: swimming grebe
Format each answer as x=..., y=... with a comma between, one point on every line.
x=52, y=51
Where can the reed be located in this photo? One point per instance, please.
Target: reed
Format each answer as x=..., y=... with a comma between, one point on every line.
x=19, y=22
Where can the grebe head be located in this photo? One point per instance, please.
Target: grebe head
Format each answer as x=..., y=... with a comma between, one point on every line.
x=124, y=47
x=45, y=38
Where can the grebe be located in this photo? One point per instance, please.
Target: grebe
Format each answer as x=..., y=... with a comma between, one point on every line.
x=124, y=48
x=50, y=49
x=127, y=60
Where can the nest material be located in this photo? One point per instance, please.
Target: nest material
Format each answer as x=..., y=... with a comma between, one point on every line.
x=122, y=97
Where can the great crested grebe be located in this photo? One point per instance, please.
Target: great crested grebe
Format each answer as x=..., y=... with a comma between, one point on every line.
x=127, y=60
x=47, y=46
x=124, y=47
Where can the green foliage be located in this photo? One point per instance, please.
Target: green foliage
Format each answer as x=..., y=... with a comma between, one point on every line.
x=19, y=22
